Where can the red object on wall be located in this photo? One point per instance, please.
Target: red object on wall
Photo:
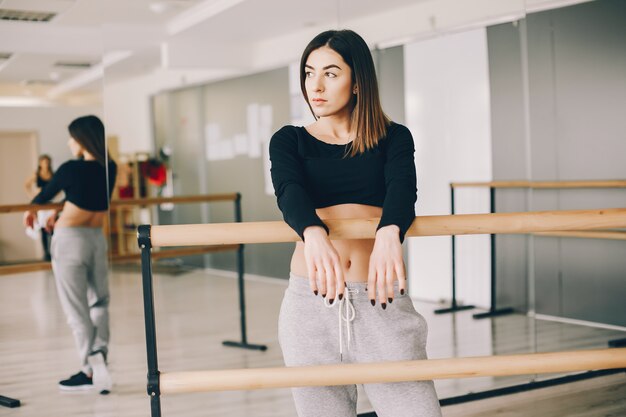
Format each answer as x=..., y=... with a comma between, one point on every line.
x=154, y=171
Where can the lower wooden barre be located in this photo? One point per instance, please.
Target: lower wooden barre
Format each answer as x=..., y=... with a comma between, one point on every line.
x=26, y=267
x=252, y=379
x=116, y=258
x=458, y=224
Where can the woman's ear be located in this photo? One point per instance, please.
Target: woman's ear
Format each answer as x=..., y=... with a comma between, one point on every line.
x=355, y=90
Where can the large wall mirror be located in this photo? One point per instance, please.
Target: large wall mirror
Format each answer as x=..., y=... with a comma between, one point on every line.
x=500, y=97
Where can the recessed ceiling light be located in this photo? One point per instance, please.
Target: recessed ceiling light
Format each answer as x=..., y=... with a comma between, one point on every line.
x=159, y=7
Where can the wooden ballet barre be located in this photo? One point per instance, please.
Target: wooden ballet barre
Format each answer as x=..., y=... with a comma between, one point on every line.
x=459, y=224
x=119, y=258
x=182, y=199
x=587, y=234
x=12, y=208
x=16, y=208
x=364, y=373
x=25, y=267
x=543, y=184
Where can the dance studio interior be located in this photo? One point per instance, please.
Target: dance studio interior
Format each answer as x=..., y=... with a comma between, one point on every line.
x=516, y=257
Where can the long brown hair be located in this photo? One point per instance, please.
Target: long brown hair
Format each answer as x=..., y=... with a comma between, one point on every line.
x=367, y=115
x=88, y=131
x=47, y=158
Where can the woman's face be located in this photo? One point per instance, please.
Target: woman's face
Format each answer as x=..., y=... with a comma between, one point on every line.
x=328, y=82
x=44, y=163
x=75, y=147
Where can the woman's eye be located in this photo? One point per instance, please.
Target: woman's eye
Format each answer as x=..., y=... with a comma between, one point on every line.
x=308, y=74
x=331, y=75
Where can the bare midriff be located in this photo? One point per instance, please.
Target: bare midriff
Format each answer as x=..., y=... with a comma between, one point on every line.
x=74, y=216
x=354, y=254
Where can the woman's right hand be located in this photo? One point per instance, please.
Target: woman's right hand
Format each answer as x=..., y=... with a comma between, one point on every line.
x=323, y=264
x=29, y=218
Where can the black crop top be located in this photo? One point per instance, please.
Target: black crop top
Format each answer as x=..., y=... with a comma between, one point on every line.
x=41, y=182
x=84, y=184
x=308, y=173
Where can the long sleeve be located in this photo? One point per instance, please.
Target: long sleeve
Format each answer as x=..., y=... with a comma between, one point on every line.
x=400, y=180
x=290, y=183
x=54, y=187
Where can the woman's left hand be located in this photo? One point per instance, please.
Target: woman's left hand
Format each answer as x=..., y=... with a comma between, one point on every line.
x=386, y=263
x=51, y=221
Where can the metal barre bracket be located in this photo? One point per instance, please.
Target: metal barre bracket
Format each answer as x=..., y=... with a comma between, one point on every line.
x=143, y=236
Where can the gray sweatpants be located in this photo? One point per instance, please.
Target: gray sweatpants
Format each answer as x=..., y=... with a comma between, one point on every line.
x=309, y=333
x=79, y=262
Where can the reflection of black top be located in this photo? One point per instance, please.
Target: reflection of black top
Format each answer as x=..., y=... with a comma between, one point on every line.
x=308, y=174
x=84, y=184
x=41, y=182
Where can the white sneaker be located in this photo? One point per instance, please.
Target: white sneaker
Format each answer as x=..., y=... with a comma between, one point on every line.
x=101, y=376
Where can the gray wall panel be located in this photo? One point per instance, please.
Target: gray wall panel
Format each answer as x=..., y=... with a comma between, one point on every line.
x=509, y=156
x=225, y=103
x=594, y=280
x=390, y=74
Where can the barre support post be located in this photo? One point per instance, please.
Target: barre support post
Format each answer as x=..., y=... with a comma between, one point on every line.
x=454, y=307
x=145, y=244
x=242, y=297
x=493, y=311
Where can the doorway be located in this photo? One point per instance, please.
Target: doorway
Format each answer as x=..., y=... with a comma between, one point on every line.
x=18, y=161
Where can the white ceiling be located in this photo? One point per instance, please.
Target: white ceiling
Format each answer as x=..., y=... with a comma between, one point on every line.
x=209, y=34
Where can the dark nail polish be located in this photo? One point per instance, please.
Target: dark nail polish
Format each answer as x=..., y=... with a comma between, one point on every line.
x=373, y=302
x=315, y=292
x=390, y=300
x=330, y=300
x=340, y=297
x=383, y=305
x=323, y=295
x=402, y=291
x=365, y=288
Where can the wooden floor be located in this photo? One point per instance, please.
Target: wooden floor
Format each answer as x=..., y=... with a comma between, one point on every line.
x=197, y=311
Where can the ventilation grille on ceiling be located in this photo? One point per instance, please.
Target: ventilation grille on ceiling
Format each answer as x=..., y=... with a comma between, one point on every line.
x=25, y=15
x=5, y=55
x=72, y=64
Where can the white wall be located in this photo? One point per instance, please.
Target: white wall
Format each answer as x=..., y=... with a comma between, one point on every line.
x=448, y=112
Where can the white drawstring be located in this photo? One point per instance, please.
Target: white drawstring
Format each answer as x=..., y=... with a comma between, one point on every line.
x=350, y=313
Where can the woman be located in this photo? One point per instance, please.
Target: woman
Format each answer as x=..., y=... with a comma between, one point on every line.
x=41, y=177
x=352, y=162
x=33, y=185
x=79, y=258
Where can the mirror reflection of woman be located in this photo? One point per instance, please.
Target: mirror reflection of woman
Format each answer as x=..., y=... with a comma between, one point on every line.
x=33, y=185
x=78, y=248
x=346, y=300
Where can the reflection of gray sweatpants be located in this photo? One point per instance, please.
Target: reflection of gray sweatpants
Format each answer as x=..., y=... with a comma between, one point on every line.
x=79, y=262
x=309, y=334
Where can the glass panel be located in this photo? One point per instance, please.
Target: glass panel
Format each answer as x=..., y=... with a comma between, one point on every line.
x=41, y=93
x=575, y=107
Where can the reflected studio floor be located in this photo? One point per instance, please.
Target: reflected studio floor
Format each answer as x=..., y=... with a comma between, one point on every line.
x=196, y=311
